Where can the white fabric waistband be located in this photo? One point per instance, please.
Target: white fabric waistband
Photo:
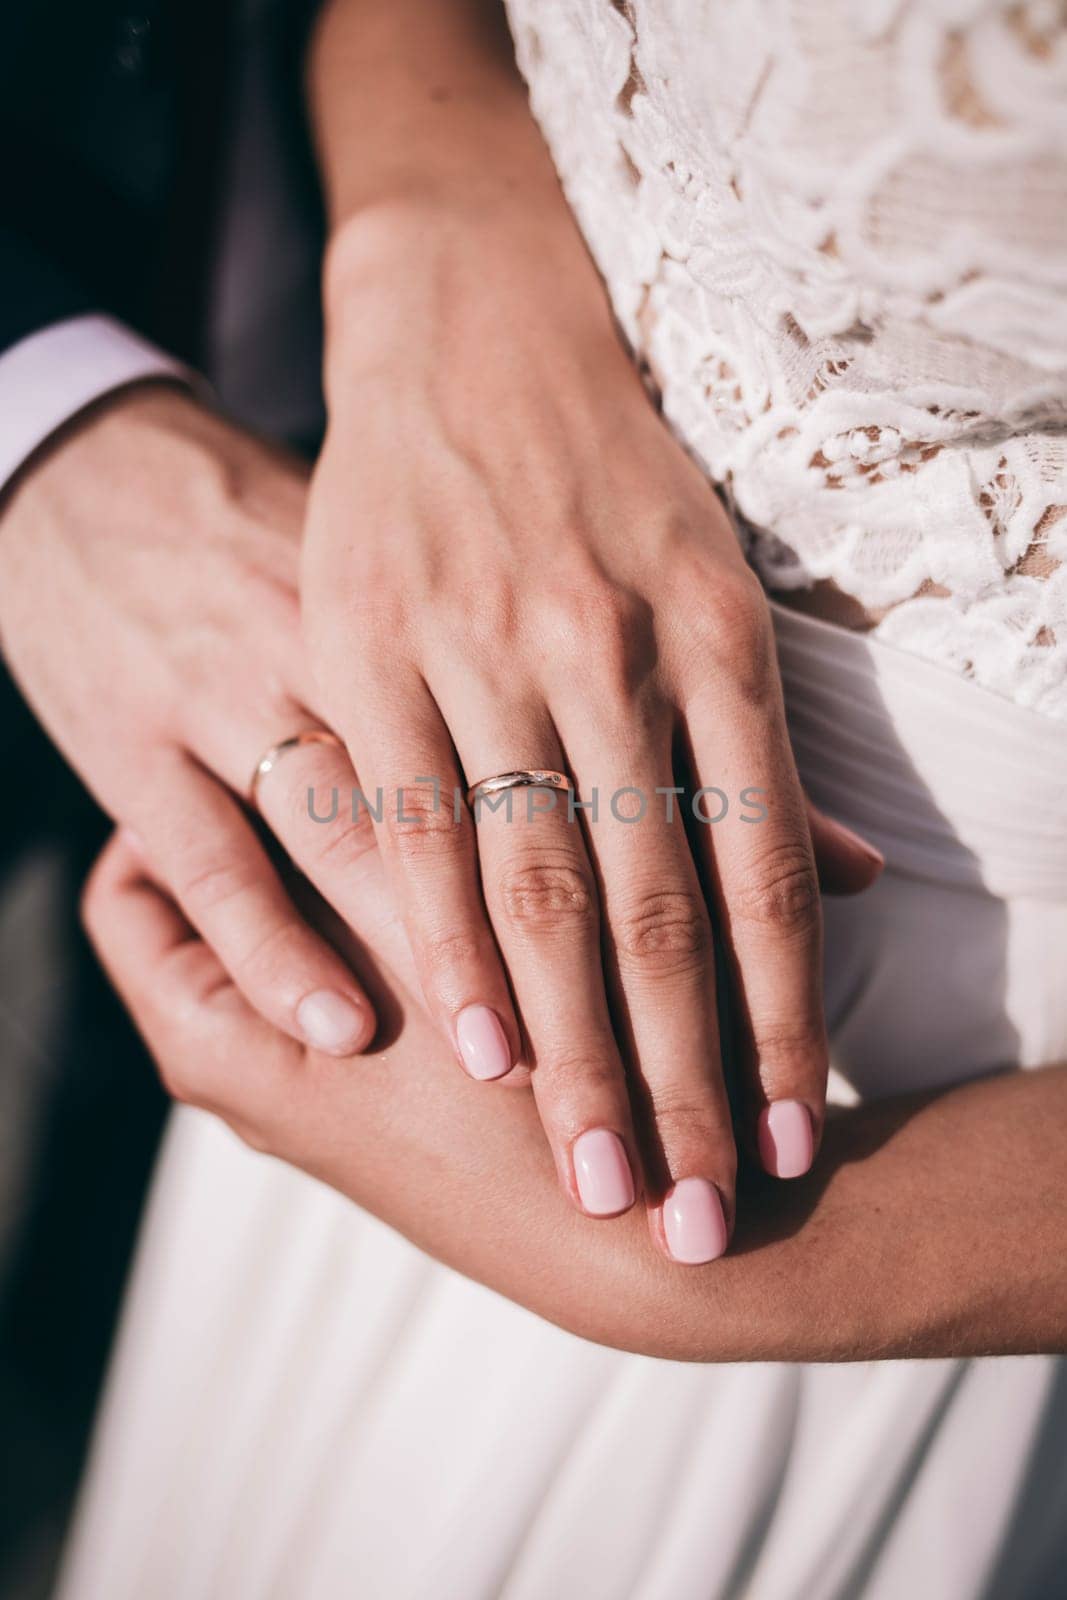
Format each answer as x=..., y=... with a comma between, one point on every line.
x=951, y=782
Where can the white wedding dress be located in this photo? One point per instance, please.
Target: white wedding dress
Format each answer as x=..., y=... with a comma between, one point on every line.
x=835, y=235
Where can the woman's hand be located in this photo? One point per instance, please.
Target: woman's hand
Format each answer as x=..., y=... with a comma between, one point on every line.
x=148, y=610
x=509, y=564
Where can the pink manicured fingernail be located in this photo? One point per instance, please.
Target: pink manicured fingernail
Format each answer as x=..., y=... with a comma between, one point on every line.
x=602, y=1173
x=786, y=1139
x=331, y=1022
x=483, y=1044
x=693, y=1222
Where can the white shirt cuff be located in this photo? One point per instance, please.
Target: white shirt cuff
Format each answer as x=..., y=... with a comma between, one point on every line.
x=50, y=376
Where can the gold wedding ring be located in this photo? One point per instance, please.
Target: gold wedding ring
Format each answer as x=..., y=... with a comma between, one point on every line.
x=270, y=760
x=534, y=779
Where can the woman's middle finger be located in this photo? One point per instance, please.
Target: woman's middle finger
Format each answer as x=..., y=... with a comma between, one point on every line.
x=658, y=943
x=541, y=895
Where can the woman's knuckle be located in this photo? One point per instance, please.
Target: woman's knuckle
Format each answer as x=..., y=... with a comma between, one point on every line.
x=737, y=604
x=546, y=892
x=679, y=1102
x=666, y=932
x=790, y=1052
x=728, y=633
x=781, y=892
x=576, y=1078
x=373, y=610
x=596, y=625
x=690, y=1131
x=461, y=950
x=425, y=823
x=490, y=616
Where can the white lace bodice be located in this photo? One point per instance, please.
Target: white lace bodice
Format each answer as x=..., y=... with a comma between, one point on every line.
x=835, y=234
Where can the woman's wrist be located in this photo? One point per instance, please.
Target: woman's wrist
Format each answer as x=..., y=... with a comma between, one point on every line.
x=449, y=234
x=451, y=114
x=468, y=259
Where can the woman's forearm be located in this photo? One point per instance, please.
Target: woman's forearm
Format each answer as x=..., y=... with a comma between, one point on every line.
x=433, y=167
x=408, y=98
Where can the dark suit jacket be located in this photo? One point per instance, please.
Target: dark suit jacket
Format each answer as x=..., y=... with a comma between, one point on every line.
x=112, y=123
x=111, y=129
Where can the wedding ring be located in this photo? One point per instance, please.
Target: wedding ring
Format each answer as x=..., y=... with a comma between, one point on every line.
x=534, y=779
x=270, y=760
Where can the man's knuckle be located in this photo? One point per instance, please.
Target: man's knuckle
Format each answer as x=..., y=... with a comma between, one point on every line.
x=204, y=884
x=272, y=951
x=300, y=803
x=345, y=845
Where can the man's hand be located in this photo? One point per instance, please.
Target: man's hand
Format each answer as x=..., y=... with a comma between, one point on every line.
x=148, y=610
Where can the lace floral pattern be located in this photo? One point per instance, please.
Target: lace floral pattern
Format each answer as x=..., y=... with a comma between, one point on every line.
x=835, y=234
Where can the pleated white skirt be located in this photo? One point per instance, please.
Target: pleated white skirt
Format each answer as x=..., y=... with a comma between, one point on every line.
x=304, y=1407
